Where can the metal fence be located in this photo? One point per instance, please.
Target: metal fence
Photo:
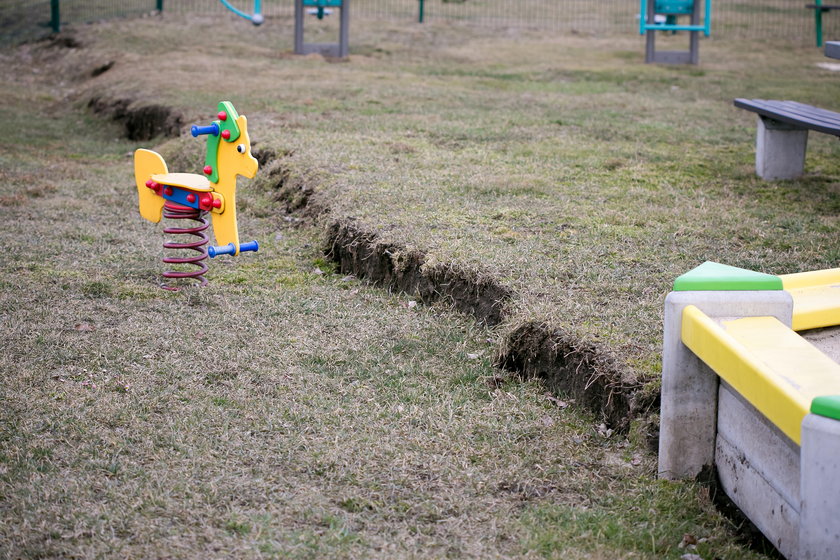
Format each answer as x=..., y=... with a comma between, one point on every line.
x=750, y=19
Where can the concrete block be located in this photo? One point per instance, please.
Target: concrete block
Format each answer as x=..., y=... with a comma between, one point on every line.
x=774, y=456
x=689, y=388
x=819, y=532
x=755, y=498
x=758, y=467
x=779, y=150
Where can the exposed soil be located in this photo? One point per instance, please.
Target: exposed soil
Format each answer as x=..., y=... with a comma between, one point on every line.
x=291, y=189
x=141, y=121
x=396, y=267
x=578, y=369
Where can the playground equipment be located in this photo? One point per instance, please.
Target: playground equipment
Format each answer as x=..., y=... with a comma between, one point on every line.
x=320, y=9
x=188, y=196
x=256, y=18
x=663, y=15
x=748, y=388
x=819, y=9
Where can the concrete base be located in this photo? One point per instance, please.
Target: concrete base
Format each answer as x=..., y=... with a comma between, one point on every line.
x=331, y=50
x=790, y=492
x=691, y=56
x=689, y=387
x=779, y=150
x=758, y=468
x=672, y=57
x=819, y=529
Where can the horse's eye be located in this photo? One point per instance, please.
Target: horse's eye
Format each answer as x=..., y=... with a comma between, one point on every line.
x=241, y=148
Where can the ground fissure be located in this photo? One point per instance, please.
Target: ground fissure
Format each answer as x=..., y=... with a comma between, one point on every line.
x=588, y=373
x=585, y=372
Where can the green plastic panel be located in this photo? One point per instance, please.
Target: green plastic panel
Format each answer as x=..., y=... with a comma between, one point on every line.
x=211, y=158
x=711, y=276
x=229, y=124
x=828, y=406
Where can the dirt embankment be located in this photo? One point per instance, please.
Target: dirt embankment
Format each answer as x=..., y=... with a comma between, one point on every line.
x=65, y=62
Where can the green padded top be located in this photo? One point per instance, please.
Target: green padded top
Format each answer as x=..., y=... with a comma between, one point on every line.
x=711, y=276
x=828, y=406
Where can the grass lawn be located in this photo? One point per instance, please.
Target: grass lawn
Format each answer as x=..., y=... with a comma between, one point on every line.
x=292, y=410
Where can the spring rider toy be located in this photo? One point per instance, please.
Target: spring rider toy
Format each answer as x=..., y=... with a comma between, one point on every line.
x=189, y=196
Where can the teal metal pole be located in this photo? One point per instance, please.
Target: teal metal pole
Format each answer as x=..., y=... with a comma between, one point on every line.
x=420, y=15
x=643, y=17
x=707, y=19
x=160, y=5
x=818, y=21
x=55, y=16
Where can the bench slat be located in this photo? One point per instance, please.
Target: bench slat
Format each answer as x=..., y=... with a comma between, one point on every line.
x=830, y=118
x=794, y=113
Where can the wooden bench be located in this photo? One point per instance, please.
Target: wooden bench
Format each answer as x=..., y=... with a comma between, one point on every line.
x=783, y=134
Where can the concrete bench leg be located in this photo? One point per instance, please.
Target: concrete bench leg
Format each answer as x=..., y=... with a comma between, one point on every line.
x=688, y=423
x=819, y=529
x=779, y=150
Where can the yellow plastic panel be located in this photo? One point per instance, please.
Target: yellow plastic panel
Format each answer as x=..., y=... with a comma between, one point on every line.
x=231, y=163
x=224, y=224
x=816, y=298
x=770, y=365
x=190, y=181
x=146, y=164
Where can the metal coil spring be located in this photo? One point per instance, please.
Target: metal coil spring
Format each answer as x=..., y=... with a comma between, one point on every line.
x=175, y=211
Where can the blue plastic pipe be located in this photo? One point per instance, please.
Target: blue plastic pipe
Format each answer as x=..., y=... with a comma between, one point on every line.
x=213, y=129
x=256, y=19
x=230, y=249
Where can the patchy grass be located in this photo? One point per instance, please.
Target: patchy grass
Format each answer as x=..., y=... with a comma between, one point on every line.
x=582, y=179
x=290, y=411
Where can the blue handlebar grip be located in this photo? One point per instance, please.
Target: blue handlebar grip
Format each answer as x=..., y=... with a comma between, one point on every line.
x=230, y=249
x=213, y=129
x=249, y=246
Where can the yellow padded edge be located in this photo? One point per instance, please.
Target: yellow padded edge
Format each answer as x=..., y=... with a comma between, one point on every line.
x=770, y=365
x=816, y=298
x=810, y=279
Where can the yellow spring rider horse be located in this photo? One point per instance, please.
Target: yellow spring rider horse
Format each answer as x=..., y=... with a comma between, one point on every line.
x=189, y=195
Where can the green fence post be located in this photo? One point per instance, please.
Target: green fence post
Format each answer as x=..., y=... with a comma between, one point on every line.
x=420, y=14
x=818, y=21
x=159, y=5
x=55, y=16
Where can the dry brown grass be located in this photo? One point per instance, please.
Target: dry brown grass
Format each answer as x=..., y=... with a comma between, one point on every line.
x=288, y=411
